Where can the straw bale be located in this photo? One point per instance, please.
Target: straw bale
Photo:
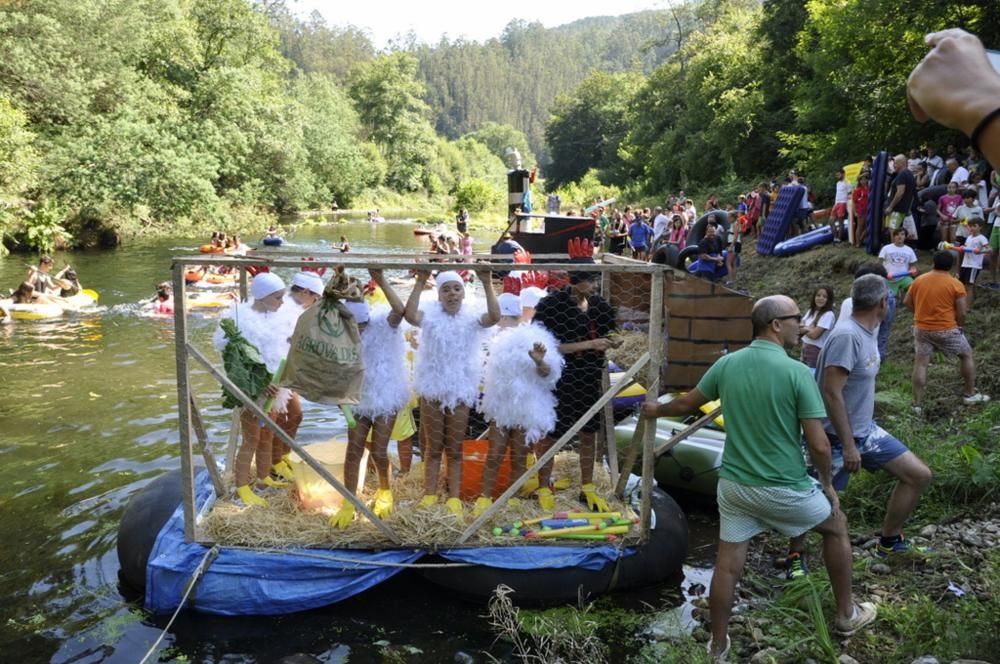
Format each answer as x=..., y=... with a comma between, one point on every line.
x=634, y=344
x=283, y=523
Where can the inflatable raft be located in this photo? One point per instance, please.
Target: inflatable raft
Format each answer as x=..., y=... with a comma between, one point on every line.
x=272, y=241
x=79, y=302
x=805, y=241
x=157, y=562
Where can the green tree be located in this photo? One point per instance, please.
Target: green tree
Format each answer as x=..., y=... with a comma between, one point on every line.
x=477, y=195
x=587, y=128
x=498, y=137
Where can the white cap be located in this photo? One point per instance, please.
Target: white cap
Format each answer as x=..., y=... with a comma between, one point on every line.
x=444, y=277
x=359, y=310
x=510, y=304
x=310, y=281
x=531, y=295
x=265, y=284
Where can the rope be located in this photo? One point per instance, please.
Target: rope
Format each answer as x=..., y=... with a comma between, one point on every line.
x=209, y=558
x=354, y=562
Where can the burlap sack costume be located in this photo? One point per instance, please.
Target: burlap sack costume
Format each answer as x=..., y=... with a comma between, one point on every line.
x=324, y=364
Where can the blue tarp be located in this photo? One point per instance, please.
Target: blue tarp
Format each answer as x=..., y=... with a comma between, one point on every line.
x=247, y=582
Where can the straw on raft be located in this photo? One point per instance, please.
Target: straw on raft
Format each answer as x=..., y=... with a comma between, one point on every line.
x=634, y=344
x=284, y=523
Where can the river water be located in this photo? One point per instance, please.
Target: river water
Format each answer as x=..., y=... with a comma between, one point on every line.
x=89, y=416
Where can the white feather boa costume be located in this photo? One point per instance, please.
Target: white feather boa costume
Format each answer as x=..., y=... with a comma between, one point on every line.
x=386, y=387
x=269, y=332
x=515, y=396
x=449, y=360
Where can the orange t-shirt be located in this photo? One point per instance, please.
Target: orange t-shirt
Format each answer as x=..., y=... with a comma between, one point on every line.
x=933, y=295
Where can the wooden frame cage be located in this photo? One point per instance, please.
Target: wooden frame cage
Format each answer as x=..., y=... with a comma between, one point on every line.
x=644, y=295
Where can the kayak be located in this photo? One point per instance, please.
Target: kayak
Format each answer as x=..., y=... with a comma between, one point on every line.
x=693, y=464
x=272, y=241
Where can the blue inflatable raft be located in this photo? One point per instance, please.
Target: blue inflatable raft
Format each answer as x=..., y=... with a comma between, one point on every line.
x=805, y=241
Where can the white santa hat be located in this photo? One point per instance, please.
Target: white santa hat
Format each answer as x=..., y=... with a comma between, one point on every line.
x=443, y=278
x=309, y=281
x=265, y=284
x=531, y=295
x=510, y=304
x=359, y=310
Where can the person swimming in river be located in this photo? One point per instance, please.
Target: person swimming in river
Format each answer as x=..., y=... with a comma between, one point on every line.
x=522, y=370
x=449, y=329
x=27, y=294
x=385, y=392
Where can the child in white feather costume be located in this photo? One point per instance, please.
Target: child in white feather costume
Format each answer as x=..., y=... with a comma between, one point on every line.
x=384, y=392
x=267, y=323
x=523, y=368
x=447, y=370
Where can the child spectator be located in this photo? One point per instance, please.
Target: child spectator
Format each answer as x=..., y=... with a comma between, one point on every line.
x=969, y=209
x=899, y=260
x=838, y=216
x=678, y=232
x=816, y=324
x=947, y=204
x=976, y=245
x=735, y=247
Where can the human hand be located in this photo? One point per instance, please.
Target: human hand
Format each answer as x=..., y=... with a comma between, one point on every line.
x=271, y=391
x=377, y=275
x=649, y=409
x=601, y=344
x=615, y=341
x=831, y=495
x=852, y=458
x=954, y=84
x=422, y=276
x=484, y=276
x=537, y=352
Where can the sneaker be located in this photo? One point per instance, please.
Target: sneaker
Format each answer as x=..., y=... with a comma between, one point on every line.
x=721, y=657
x=864, y=614
x=917, y=410
x=903, y=546
x=978, y=397
x=795, y=567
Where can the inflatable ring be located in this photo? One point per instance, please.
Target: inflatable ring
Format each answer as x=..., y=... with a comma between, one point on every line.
x=210, y=249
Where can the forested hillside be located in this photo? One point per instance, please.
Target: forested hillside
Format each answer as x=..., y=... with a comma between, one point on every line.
x=140, y=116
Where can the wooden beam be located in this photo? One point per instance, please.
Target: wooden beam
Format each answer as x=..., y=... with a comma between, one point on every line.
x=231, y=445
x=206, y=451
x=652, y=379
x=559, y=444
x=183, y=402
x=701, y=422
x=250, y=405
x=610, y=444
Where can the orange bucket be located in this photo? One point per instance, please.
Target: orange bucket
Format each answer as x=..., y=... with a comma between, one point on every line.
x=474, y=454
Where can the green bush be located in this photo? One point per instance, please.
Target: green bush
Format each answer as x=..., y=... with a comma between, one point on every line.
x=476, y=195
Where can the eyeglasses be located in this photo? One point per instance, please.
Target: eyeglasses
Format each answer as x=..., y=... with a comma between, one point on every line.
x=797, y=317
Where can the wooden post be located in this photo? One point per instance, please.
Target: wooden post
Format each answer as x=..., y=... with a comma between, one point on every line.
x=243, y=283
x=206, y=451
x=249, y=404
x=559, y=444
x=610, y=444
x=652, y=378
x=184, y=402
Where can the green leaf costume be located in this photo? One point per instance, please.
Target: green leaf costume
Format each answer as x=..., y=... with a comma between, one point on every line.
x=244, y=365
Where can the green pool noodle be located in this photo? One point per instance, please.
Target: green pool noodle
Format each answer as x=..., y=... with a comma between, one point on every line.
x=348, y=415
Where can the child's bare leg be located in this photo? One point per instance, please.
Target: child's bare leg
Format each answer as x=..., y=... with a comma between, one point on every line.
x=432, y=426
x=545, y=472
x=356, y=438
x=405, y=448
x=264, y=443
x=518, y=453
x=380, y=443
x=455, y=425
x=251, y=435
x=498, y=445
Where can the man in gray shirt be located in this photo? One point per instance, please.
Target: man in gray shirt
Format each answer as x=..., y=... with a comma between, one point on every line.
x=846, y=370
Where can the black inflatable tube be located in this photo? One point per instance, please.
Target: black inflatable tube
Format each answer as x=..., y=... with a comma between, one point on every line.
x=688, y=253
x=666, y=254
x=144, y=518
x=658, y=560
x=697, y=231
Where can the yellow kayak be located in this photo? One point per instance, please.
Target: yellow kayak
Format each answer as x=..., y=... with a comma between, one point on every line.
x=82, y=300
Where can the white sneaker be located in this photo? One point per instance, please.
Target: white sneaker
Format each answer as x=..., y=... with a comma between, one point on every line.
x=864, y=614
x=721, y=657
x=978, y=397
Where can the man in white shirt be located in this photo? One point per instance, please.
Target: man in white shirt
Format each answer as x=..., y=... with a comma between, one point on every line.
x=934, y=161
x=660, y=224
x=839, y=213
x=959, y=174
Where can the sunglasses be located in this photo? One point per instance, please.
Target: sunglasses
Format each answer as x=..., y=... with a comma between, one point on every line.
x=797, y=317
x=297, y=289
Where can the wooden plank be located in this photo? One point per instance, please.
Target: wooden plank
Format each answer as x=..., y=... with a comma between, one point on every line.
x=702, y=421
x=652, y=379
x=678, y=328
x=740, y=330
x=244, y=293
x=183, y=402
x=352, y=260
x=250, y=405
x=206, y=451
x=559, y=444
x=231, y=445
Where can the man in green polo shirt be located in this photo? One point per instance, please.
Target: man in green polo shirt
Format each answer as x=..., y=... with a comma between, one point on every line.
x=768, y=400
